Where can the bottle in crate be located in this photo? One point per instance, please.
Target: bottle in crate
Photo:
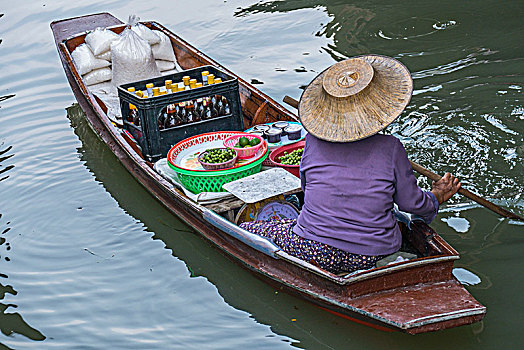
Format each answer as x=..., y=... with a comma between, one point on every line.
x=185, y=80
x=204, y=77
x=149, y=88
x=169, y=88
x=191, y=115
x=224, y=108
x=199, y=108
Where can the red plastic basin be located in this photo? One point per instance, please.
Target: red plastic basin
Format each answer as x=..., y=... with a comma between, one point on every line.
x=273, y=157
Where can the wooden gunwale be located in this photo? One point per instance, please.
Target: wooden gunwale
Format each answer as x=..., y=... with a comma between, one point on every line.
x=332, y=292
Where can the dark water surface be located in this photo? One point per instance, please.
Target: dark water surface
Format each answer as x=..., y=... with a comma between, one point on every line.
x=90, y=260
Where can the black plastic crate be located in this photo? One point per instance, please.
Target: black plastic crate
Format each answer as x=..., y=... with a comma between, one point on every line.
x=156, y=142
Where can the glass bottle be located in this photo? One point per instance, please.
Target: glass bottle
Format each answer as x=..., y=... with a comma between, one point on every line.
x=177, y=113
x=169, y=121
x=210, y=79
x=172, y=119
x=162, y=118
x=190, y=112
x=219, y=105
x=198, y=103
x=227, y=108
x=204, y=77
x=149, y=88
x=182, y=112
x=199, y=108
x=168, y=84
x=206, y=112
x=132, y=108
x=136, y=118
x=217, y=100
x=185, y=80
x=223, y=106
x=213, y=110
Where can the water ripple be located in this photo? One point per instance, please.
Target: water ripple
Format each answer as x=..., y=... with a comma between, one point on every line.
x=10, y=322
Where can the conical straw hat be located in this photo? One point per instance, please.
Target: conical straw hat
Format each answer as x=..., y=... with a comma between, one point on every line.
x=355, y=98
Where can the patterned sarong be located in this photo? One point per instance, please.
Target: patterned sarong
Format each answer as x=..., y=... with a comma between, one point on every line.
x=322, y=255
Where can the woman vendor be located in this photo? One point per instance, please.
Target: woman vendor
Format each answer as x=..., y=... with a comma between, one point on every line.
x=351, y=176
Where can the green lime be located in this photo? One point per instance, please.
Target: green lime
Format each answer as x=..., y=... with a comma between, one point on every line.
x=243, y=141
x=254, y=141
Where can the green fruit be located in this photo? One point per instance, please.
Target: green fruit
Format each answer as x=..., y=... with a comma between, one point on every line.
x=217, y=155
x=254, y=141
x=292, y=158
x=243, y=141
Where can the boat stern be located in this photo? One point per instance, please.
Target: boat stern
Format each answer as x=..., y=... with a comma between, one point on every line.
x=422, y=308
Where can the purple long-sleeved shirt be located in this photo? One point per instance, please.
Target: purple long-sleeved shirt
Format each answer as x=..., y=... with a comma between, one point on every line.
x=349, y=192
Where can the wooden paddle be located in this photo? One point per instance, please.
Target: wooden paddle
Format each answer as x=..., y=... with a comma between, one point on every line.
x=432, y=176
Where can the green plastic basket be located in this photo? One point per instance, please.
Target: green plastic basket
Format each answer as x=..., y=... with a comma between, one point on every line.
x=212, y=181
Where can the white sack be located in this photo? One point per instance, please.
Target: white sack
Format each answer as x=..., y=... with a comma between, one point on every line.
x=164, y=65
x=97, y=76
x=99, y=40
x=105, y=56
x=163, y=50
x=108, y=94
x=146, y=33
x=85, y=61
x=132, y=59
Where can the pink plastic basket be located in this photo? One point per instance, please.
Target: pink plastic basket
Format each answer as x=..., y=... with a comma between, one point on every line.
x=243, y=153
x=217, y=166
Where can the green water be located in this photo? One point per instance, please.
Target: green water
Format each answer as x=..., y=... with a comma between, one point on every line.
x=90, y=260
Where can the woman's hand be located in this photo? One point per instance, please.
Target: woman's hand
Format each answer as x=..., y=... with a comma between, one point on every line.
x=445, y=188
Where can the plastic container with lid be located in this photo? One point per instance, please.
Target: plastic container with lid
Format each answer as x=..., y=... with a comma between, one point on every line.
x=273, y=135
x=293, y=131
x=261, y=127
x=281, y=125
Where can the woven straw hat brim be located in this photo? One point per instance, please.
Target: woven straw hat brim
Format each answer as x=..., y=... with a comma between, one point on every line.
x=346, y=119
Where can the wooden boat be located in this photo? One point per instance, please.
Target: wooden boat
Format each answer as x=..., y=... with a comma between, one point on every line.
x=415, y=296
